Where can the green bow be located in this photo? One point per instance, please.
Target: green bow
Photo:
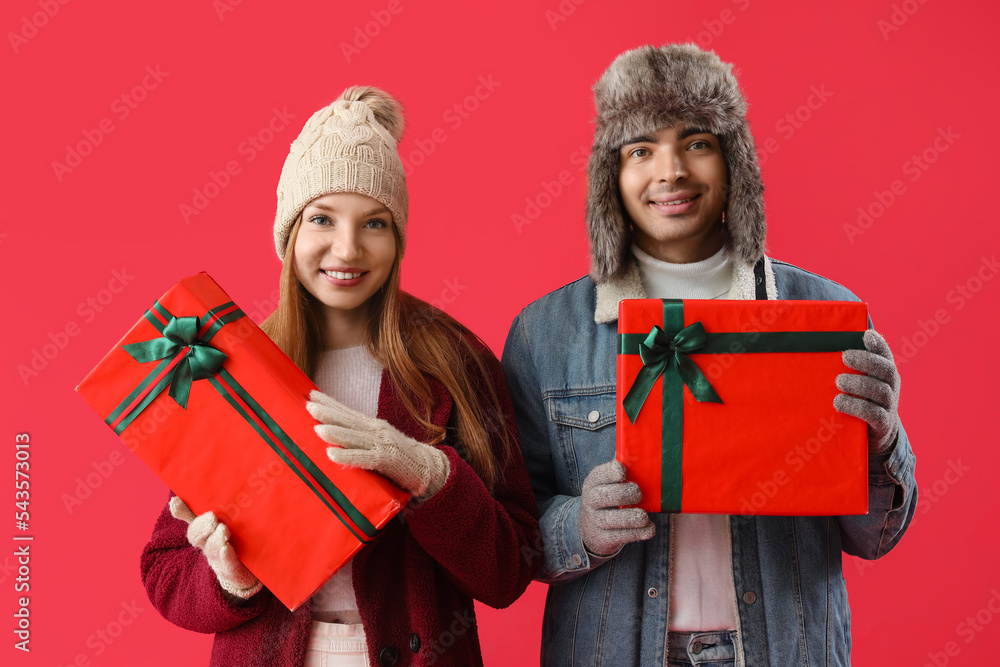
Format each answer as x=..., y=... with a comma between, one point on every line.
x=656, y=352
x=179, y=333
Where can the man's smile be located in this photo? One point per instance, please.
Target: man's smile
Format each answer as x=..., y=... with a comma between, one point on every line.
x=676, y=203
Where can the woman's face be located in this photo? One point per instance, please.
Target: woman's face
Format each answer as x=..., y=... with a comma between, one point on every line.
x=344, y=250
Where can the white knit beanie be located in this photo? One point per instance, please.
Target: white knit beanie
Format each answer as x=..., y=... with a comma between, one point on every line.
x=349, y=146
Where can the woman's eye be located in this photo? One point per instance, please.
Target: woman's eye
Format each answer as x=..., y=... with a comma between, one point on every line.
x=377, y=223
x=319, y=220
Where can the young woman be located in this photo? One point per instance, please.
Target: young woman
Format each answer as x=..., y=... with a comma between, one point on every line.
x=407, y=392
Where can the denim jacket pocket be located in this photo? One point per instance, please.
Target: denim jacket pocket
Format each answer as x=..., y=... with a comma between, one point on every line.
x=581, y=419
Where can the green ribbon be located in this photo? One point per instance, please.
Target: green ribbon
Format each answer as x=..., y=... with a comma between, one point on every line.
x=672, y=343
x=202, y=361
x=656, y=352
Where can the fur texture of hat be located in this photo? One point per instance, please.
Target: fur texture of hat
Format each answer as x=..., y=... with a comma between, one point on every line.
x=647, y=89
x=348, y=146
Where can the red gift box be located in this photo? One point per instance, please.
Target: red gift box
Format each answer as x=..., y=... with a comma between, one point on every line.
x=218, y=412
x=726, y=407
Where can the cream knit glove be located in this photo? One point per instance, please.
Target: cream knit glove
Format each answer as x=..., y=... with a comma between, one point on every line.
x=375, y=444
x=206, y=533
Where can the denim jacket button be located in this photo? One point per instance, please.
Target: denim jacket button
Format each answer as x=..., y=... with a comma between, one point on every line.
x=652, y=592
x=593, y=416
x=749, y=597
x=696, y=648
x=577, y=560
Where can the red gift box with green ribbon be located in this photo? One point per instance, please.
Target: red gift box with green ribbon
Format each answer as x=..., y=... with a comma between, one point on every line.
x=726, y=407
x=218, y=412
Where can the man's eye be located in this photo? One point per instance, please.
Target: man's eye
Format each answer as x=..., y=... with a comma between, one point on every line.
x=701, y=143
x=639, y=152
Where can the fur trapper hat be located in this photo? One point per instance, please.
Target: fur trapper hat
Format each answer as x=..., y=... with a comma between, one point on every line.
x=348, y=146
x=650, y=88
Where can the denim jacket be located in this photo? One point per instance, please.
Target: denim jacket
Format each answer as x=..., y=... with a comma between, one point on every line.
x=790, y=596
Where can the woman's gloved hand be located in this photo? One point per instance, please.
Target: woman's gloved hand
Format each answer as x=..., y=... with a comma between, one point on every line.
x=206, y=533
x=375, y=444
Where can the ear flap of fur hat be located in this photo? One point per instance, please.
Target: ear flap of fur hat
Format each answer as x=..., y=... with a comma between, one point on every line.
x=348, y=146
x=650, y=88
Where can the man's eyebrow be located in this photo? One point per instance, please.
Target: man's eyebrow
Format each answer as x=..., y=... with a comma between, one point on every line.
x=684, y=134
x=687, y=132
x=643, y=139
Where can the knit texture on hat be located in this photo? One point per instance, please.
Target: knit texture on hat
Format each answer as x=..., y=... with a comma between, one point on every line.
x=348, y=146
x=650, y=88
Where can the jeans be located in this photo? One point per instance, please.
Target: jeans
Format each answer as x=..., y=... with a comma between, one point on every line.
x=704, y=649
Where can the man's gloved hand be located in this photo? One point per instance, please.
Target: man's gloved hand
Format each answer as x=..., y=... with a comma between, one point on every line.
x=375, y=444
x=873, y=397
x=604, y=526
x=212, y=538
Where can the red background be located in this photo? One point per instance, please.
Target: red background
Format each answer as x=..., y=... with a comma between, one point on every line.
x=885, y=79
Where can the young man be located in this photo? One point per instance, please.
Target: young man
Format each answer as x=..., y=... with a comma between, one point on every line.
x=675, y=210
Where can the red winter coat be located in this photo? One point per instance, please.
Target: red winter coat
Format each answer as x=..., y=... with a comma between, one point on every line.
x=414, y=582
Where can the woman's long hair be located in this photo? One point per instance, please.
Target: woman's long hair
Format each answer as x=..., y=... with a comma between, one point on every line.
x=412, y=340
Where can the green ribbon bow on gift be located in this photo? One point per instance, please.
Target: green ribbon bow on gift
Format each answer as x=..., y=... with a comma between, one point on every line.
x=202, y=361
x=657, y=352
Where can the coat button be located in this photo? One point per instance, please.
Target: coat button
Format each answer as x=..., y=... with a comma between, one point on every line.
x=415, y=642
x=593, y=416
x=749, y=597
x=696, y=648
x=652, y=592
x=759, y=280
x=388, y=656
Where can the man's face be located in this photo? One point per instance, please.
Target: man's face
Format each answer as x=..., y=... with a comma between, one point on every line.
x=673, y=184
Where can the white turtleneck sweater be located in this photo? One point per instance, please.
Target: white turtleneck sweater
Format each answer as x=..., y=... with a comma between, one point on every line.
x=702, y=591
x=352, y=377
